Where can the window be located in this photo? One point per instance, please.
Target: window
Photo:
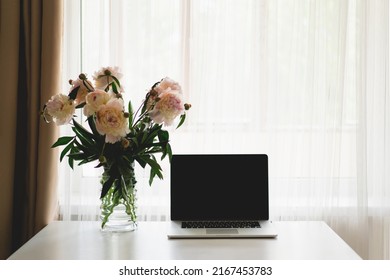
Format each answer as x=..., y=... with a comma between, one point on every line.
x=274, y=77
x=303, y=81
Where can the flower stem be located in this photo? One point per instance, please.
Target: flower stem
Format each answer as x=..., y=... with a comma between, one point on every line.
x=142, y=115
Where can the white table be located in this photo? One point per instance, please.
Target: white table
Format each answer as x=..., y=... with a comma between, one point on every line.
x=84, y=240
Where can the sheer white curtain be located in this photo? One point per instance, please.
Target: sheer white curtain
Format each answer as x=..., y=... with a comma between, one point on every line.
x=373, y=151
x=305, y=82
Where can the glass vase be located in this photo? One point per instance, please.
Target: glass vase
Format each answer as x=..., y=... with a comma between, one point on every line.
x=118, y=206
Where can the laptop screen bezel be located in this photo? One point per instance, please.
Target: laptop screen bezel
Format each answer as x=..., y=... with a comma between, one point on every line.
x=185, y=159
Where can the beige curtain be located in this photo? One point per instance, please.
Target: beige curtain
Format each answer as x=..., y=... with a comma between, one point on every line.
x=30, y=47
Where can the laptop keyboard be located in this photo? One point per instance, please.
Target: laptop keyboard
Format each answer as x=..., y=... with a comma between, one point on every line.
x=221, y=224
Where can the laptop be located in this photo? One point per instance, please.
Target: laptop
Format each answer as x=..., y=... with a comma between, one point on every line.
x=220, y=196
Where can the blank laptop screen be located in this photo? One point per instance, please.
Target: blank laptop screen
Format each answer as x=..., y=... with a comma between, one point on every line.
x=219, y=187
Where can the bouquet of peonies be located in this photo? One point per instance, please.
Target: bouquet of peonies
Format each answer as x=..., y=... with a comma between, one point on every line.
x=116, y=138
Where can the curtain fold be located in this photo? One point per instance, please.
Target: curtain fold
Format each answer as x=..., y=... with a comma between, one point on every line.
x=9, y=52
x=32, y=75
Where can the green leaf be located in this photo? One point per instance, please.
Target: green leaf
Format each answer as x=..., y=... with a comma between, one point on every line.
x=83, y=162
x=163, y=136
x=135, y=141
x=141, y=162
x=114, y=88
x=100, y=164
x=144, y=137
x=86, y=137
x=107, y=185
x=77, y=156
x=66, y=150
x=116, y=81
x=182, y=119
x=167, y=151
x=158, y=144
x=155, y=170
x=152, y=175
x=73, y=94
x=80, y=146
x=88, y=159
x=155, y=167
x=71, y=160
x=131, y=117
x=151, y=135
x=85, y=141
x=82, y=130
x=81, y=105
x=92, y=125
x=146, y=158
x=62, y=141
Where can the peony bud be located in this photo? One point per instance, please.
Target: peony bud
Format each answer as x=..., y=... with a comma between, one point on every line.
x=70, y=82
x=126, y=114
x=125, y=143
x=187, y=106
x=107, y=72
x=102, y=159
x=82, y=76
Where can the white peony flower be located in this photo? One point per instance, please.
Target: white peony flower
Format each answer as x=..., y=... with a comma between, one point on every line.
x=111, y=121
x=167, y=101
x=166, y=84
x=168, y=107
x=61, y=108
x=94, y=100
x=102, y=82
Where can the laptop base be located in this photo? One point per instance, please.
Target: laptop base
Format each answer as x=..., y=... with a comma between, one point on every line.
x=175, y=231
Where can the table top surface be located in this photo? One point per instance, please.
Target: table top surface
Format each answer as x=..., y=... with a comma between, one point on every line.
x=303, y=240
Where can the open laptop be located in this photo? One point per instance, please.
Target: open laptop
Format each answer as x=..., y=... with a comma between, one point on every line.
x=220, y=196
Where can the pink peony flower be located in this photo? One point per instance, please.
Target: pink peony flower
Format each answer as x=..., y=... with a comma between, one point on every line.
x=102, y=82
x=168, y=107
x=82, y=91
x=111, y=121
x=166, y=84
x=94, y=100
x=60, y=108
